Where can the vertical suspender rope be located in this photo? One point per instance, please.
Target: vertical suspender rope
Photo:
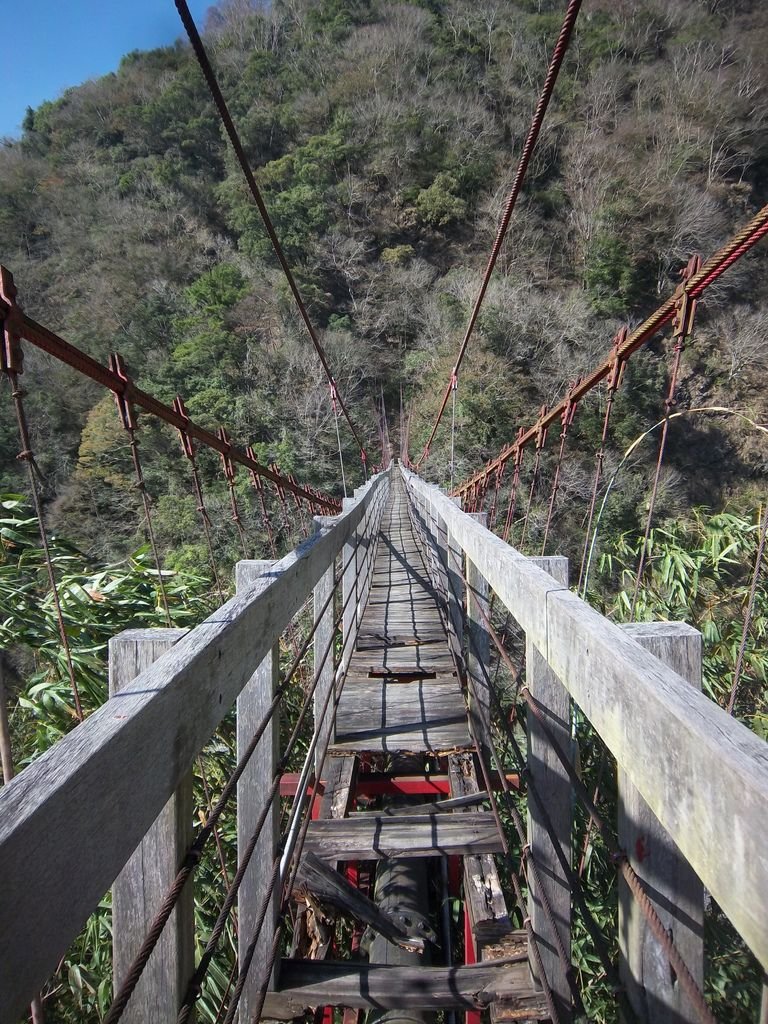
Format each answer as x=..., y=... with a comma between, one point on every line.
x=541, y=440
x=338, y=437
x=566, y=419
x=11, y=363
x=258, y=486
x=685, y=313
x=229, y=473
x=614, y=381
x=188, y=447
x=454, y=386
x=511, y=508
x=129, y=420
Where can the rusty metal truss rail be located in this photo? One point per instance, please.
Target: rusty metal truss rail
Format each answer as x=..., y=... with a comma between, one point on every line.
x=625, y=344
x=16, y=325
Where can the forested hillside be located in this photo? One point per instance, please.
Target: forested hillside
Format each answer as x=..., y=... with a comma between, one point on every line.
x=385, y=138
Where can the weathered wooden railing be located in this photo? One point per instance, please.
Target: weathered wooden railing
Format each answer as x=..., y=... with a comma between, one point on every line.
x=693, y=798
x=120, y=782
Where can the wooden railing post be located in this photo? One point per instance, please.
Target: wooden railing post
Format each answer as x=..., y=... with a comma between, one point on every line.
x=143, y=883
x=551, y=782
x=672, y=884
x=252, y=791
x=323, y=651
x=478, y=647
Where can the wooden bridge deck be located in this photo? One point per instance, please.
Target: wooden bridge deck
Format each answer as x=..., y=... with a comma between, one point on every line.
x=402, y=693
x=402, y=701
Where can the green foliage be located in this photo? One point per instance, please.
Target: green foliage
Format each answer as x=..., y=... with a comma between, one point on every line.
x=609, y=275
x=699, y=570
x=440, y=205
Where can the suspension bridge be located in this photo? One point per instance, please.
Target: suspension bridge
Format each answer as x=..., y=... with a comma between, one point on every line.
x=405, y=804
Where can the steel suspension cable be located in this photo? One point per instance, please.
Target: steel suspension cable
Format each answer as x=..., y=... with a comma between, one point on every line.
x=11, y=360
x=229, y=475
x=614, y=382
x=566, y=421
x=509, y=520
x=229, y=125
x=188, y=447
x=541, y=440
x=525, y=157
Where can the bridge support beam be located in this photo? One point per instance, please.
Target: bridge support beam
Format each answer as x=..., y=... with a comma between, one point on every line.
x=143, y=883
x=672, y=884
x=550, y=780
x=252, y=794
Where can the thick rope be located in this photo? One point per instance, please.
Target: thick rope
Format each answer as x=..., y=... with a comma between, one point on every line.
x=529, y=146
x=237, y=146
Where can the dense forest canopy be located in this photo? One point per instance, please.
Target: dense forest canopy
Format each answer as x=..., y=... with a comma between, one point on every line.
x=385, y=137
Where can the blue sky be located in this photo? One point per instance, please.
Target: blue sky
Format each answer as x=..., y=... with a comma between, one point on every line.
x=53, y=44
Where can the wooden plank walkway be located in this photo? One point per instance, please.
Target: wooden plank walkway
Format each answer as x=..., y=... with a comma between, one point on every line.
x=402, y=694
x=402, y=698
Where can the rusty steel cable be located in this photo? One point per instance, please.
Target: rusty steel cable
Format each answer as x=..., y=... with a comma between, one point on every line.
x=492, y=512
x=130, y=423
x=8, y=362
x=216, y=833
x=258, y=487
x=509, y=521
x=533, y=945
x=529, y=146
x=737, y=247
x=142, y=489
x=613, y=383
x=566, y=421
x=229, y=475
x=685, y=314
x=205, y=519
x=229, y=126
x=748, y=614
x=541, y=440
x=47, y=341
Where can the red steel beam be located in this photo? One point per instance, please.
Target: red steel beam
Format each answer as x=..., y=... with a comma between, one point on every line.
x=715, y=266
x=43, y=338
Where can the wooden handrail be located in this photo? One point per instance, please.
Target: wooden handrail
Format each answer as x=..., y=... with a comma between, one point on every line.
x=703, y=774
x=69, y=822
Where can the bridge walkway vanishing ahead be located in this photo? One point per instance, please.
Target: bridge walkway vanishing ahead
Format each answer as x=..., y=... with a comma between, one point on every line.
x=403, y=704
